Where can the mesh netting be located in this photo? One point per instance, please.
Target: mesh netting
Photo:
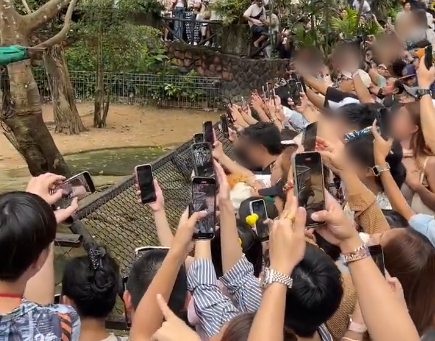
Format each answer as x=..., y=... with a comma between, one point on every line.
x=117, y=221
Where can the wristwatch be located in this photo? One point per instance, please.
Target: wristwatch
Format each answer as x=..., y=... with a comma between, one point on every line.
x=356, y=327
x=271, y=276
x=358, y=254
x=378, y=170
x=422, y=92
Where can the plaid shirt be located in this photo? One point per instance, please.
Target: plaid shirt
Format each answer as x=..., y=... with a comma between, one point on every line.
x=34, y=322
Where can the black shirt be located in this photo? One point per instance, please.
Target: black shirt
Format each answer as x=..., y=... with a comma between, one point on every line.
x=335, y=95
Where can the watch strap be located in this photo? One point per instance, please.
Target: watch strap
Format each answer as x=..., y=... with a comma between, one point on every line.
x=422, y=92
x=278, y=277
x=378, y=170
x=358, y=254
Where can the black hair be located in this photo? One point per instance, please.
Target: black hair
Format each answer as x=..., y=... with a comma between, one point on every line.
x=331, y=250
x=266, y=134
x=251, y=247
x=316, y=292
x=142, y=273
x=397, y=68
x=395, y=219
x=27, y=228
x=93, y=291
x=361, y=150
x=357, y=116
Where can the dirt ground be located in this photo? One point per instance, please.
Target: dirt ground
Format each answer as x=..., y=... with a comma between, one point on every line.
x=127, y=126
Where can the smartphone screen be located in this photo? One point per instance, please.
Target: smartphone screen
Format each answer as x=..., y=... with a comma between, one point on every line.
x=259, y=207
x=79, y=186
x=378, y=256
x=202, y=159
x=198, y=138
x=57, y=299
x=224, y=126
x=428, y=58
x=294, y=91
x=204, y=199
x=145, y=180
x=208, y=132
x=309, y=184
x=309, y=137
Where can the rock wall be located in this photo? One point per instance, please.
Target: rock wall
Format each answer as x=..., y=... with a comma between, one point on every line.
x=238, y=75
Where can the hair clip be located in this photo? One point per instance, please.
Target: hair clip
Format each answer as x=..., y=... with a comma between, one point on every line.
x=96, y=254
x=289, y=143
x=252, y=219
x=358, y=133
x=240, y=241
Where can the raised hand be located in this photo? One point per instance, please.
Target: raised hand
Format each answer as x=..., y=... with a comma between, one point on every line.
x=333, y=155
x=45, y=186
x=338, y=226
x=381, y=147
x=173, y=329
x=287, y=239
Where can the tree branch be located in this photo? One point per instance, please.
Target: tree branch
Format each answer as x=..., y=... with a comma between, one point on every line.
x=44, y=13
x=63, y=32
x=26, y=6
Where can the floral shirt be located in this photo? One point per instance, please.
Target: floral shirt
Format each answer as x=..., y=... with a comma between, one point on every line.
x=33, y=322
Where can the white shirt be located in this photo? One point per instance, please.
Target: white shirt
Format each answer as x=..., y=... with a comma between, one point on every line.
x=253, y=11
x=366, y=7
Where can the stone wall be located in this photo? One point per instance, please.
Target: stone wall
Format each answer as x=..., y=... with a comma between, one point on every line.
x=238, y=75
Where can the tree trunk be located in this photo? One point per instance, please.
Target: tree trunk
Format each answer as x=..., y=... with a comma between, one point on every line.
x=100, y=110
x=66, y=116
x=22, y=114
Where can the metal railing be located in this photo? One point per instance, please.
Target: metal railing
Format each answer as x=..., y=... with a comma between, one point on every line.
x=180, y=91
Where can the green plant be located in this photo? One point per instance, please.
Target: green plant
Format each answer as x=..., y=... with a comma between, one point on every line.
x=231, y=10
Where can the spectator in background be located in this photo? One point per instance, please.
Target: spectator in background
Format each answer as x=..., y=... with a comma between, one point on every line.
x=253, y=15
x=178, y=10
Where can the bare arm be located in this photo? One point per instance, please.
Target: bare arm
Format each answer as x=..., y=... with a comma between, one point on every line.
x=361, y=90
x=427, y=119
x=377, y=300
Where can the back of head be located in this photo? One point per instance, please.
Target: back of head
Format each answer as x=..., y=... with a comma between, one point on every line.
x=142, y=273
x=266, y=134
x=410, y=257
x=27, y=228
x=251, y=247
x=357, y=116
x=361, y=149
x=92, y=284
x=316, y=293
x=238, y=328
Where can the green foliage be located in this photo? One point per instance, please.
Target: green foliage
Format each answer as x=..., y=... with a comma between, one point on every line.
x=349, y=26
x=143, y=6
x=126, y=48
x=231, y=10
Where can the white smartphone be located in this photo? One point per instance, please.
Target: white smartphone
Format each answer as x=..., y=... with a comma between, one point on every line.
x=259, y=207
x=140, y=250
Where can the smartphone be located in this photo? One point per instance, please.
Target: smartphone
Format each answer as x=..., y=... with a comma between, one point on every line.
x=139, y=251
x=202, y=159
x=224, y=126
x=204, y=199
x=378, y=256
x=428, y=58
x=78, y=186
x=208, y=132
x=231, y=119
x=198, y=138
x=145, y=180
x=309, y=137
x=294, y=91
x=57, y=299
x=259, y=207
x=309, y=184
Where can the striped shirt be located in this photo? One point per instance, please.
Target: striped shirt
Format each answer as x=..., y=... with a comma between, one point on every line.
x=213, y=308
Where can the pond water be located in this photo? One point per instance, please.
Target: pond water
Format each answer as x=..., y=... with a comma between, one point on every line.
x=113, y=161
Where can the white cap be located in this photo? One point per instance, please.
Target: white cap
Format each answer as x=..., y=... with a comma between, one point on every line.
x=367, y=81
x=347, y=100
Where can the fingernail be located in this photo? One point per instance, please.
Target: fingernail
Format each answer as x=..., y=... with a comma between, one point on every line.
x=314, y=216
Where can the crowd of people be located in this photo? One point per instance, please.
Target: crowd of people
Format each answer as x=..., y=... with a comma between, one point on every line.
x=374, y=109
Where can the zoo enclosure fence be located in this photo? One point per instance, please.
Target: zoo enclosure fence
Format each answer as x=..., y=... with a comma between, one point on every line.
x=166, y=90
x=116, y=220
